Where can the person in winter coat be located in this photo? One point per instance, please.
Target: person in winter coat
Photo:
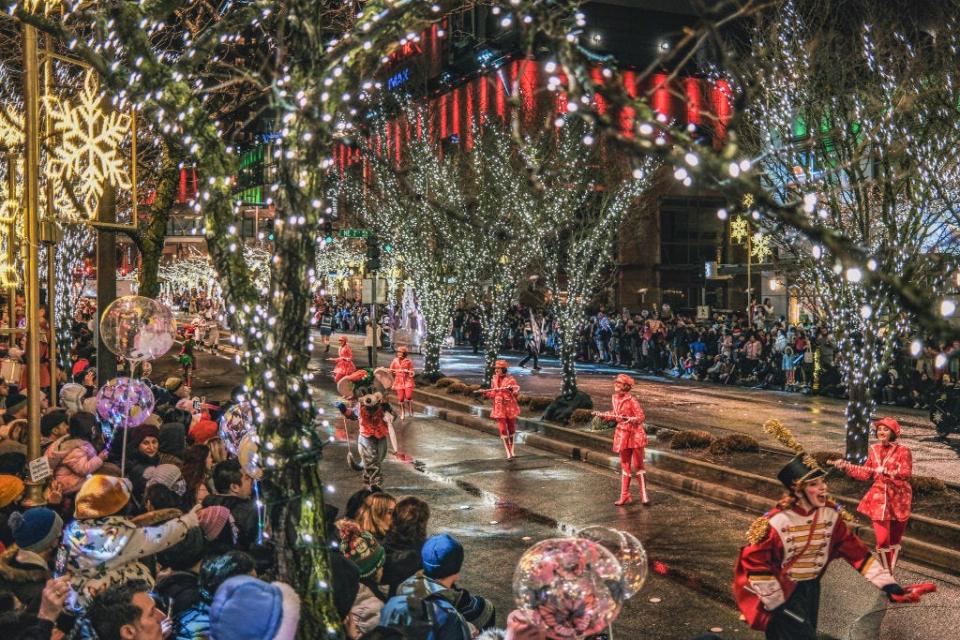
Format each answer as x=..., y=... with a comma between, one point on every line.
x=105, y=548
x=143, y=452
x=442, y=558
x=73, y=457
x=193, y=623
x=363, y=550
x=232, y=490
x=25, y=568
x=178, y=581
x=11, y=488
x=404, y=542
x=629, y=438
x=504, y=391
x=888, y=502
x=172, y=440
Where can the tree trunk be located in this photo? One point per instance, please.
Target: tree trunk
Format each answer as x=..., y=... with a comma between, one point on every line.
x=858, y=413
x=489, y=358
x=431, y=355
x=154, y=233
x=568, y=356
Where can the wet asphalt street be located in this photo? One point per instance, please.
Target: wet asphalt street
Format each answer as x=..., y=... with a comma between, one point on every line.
x=499, y=508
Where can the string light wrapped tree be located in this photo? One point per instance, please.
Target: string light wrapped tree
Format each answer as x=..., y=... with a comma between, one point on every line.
x=878, y=159
x=577, y=218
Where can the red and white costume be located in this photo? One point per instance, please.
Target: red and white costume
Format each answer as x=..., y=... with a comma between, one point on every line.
x=629, y=439
x=788, y=551
x=504, y=391
x=402, y=369
x=344, y=366
x=889, y=500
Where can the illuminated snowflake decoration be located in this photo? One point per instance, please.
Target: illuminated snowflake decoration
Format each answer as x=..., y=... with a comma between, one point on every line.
x=87, y=153
x=748, y=200
x=739, y=229
x=760, y=248
x=937, y=417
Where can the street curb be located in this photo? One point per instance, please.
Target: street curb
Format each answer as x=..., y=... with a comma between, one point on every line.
x=532, y=432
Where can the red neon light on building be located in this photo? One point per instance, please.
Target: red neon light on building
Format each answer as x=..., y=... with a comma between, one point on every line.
x=661, y=94
x=468, y=133
x=528, y=87
x=499, y=79
x=455, y=113
x=444, y=99
x=483, y=108
x=720, y=97
x=597, y=76
x=694, y=101
x=627, y=114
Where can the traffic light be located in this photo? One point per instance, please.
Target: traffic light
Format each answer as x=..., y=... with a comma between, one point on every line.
x=373, y=253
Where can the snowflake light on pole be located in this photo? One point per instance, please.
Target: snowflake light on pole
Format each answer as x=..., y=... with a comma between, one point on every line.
x=760, y=247
x=87, y=152
x=739, y=229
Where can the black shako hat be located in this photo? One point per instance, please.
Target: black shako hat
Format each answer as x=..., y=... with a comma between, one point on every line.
x=801, y=468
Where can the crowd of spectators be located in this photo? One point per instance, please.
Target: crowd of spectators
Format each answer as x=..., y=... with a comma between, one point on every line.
x=769, y=353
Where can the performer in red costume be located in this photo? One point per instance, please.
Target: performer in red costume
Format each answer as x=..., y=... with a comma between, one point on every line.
x=402, y=370
x=629, y=438
x=888, y=502
x=504, y=391
x=344, y=366
x=777, y=575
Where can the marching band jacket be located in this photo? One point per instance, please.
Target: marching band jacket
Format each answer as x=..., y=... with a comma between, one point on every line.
x=890, y=497
x=629, y=434
x=504, y=390
x=787, y=546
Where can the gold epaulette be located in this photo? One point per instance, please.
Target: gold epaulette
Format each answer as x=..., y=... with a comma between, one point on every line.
x=758, y=530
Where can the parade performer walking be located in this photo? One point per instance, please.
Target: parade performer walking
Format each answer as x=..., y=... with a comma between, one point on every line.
x=629, y=438
x=504, y=391
x=777, y=575
x=344, y=366
x=186, y=358
x=888, y=502
x=402, y=370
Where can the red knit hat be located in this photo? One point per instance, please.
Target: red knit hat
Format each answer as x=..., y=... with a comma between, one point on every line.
x=889, y=423
x=203, y=430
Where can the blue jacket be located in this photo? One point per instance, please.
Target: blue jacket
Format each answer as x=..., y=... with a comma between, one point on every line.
x=424, y=613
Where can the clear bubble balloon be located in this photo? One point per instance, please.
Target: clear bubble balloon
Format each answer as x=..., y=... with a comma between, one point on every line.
x=137, y=328
x=628, y=551
x=237, y=421
x=572, y=584
x=248, y=454
x=125, y=402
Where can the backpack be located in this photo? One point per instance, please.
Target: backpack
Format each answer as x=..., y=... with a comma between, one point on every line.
x=423, y=615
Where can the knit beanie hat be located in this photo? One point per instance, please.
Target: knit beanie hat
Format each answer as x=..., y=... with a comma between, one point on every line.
x=35, y=529
x=442, y=556
x=360, y=547
x=203, y=430
x=138, y=434
x=524, y=624
x=214, y=519
x=245, y=608
x=173, y=383
x=154, y=420
x=15, y=402
x=168, y=475
x=10, y=489
x=51, y=421
x=102, y=496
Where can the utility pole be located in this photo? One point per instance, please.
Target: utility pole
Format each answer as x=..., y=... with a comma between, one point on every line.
x=106, y=278
x=31, y=222
x=372, y=267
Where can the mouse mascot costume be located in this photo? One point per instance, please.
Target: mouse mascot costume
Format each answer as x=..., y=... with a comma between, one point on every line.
x=367, y=392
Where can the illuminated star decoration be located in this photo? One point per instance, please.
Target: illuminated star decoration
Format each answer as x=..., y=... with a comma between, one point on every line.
x=87, y=152
x=739, y=228
x=760, y=248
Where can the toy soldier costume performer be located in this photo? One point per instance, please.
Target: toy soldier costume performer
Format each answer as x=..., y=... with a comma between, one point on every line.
x=777, y=575
x=888, y=502
x=504, y=391
x=402, y=370
x=629, y=438
x=344, y=366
